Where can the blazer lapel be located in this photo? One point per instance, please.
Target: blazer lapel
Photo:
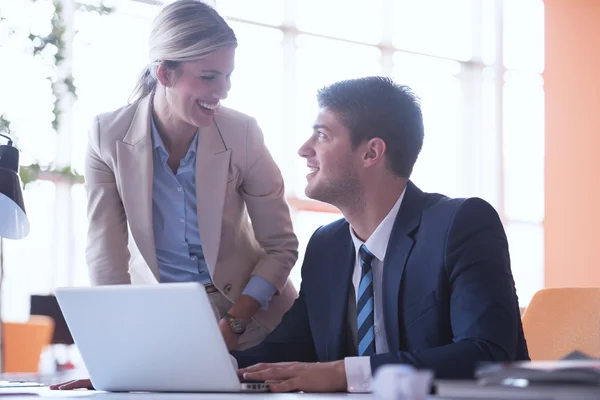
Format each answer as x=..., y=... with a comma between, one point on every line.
x=341, y=267
x=134, y=161
x=398, y=251
x=212, y=169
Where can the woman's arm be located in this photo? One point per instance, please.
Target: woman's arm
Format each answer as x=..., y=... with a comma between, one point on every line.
x=263, y=191
x=107, y=255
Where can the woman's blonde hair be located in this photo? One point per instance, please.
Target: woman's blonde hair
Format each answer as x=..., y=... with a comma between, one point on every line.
x=185, y=30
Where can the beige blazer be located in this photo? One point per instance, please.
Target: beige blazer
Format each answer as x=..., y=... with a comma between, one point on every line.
x=236, y=178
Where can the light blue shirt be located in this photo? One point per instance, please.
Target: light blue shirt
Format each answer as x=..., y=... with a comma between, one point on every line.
x=175, y=222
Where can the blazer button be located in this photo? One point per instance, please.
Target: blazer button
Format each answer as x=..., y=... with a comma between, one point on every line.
x=227, y=288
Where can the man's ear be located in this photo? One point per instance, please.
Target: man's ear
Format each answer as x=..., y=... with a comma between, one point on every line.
x=374, y=152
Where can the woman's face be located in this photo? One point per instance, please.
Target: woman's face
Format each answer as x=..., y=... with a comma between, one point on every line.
x=198, y=87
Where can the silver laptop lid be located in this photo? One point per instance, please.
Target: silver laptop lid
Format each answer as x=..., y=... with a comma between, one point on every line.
x=149, y=338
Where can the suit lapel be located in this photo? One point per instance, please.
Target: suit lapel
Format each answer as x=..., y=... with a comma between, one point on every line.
x=399, y=247
x=341, y=267
x=212, y=168
x=134, y=161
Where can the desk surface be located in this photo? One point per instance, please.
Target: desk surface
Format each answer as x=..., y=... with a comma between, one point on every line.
x=45, y=393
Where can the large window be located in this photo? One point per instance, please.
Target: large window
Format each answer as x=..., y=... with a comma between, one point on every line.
x=476, y=64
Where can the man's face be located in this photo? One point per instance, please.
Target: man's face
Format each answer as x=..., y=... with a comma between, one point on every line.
x=333, y=164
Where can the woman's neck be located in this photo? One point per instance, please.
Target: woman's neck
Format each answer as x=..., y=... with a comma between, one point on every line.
x=176, y=134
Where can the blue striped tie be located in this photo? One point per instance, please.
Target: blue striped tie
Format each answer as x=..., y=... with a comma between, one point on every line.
x=365, y=306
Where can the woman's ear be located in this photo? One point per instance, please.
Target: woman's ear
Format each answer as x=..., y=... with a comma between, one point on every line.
x=163, y=75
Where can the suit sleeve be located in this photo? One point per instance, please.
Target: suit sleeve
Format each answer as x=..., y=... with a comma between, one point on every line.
x=292, y=339
x=263, y=191
x=107, y=255
x=484, y=312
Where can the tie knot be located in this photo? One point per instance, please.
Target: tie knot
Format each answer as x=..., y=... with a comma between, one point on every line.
x=365, y=255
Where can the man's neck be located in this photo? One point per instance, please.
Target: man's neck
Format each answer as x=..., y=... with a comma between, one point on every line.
x=366, y=215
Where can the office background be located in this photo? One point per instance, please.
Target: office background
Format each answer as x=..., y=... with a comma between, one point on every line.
x=503, y=117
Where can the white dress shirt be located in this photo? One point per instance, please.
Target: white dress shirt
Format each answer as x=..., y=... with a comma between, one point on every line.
x=358, y=369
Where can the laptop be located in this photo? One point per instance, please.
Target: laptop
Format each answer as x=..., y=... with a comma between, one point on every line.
x=150, y=338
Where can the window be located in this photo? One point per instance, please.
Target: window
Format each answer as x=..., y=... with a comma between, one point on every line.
x=475, y=64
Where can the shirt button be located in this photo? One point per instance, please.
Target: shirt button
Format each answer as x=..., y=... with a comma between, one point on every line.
x=181, y=220
x=179, y=189
x=194, y=258
x=376, y=330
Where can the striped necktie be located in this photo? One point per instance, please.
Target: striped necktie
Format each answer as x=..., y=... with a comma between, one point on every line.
x=365, y=306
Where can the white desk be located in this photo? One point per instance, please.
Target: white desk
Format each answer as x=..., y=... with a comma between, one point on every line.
x=45, y=393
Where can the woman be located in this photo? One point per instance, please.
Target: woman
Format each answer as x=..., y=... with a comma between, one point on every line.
x=172, y=178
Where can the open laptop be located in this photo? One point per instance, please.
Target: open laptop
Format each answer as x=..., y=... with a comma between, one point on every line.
x=162, y=338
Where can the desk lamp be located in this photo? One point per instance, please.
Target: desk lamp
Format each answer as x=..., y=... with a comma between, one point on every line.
x=13, y=220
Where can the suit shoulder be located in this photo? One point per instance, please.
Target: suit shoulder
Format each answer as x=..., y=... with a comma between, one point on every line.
x=238, y=130
x=440, y=201
x=332, y=231
x=473, y=209
x=477, y=209
x=233, y=120
x=113, y=125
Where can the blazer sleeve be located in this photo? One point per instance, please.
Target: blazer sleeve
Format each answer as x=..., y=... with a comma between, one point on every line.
x=484, y=311
x=263, y=192
x=292, y=339
x=107, y=255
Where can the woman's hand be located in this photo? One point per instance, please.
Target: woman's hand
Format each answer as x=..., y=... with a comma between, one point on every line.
x=231, y=339
x=244, y=308
x=75, y=384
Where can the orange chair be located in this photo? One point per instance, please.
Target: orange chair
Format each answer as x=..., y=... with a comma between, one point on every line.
x=561, y=320
x=25, y=342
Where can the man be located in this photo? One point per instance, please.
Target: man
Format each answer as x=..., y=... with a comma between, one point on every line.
x=406, y=277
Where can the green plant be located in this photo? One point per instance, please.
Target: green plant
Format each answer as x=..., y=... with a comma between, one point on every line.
x=56, y=40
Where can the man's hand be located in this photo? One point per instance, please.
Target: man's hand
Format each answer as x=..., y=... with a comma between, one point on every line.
x=306, y=377
x=231, y=339
x=76, y=384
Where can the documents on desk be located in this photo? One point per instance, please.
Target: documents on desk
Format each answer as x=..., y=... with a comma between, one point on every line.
x=557, y=380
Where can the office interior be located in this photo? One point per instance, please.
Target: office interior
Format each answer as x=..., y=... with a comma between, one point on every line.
x=509, y=90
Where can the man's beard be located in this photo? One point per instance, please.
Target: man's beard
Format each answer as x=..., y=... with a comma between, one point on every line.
x=340, y=192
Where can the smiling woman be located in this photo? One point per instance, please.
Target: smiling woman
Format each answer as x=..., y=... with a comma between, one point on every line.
x=181, y=188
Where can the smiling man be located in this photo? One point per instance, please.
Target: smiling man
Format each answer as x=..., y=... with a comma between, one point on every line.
x=406, y=277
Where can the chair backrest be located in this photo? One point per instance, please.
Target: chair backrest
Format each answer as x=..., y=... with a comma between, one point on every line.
x=24, y=343
x=48, y=305
x=561, y=320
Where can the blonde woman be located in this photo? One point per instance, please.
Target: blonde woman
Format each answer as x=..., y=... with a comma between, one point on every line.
x=172, y=177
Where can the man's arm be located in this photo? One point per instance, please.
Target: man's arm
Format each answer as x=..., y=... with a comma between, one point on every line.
x=483, y=306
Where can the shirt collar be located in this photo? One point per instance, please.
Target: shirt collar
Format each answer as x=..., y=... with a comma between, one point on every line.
x=157, y=142
x=377, y=243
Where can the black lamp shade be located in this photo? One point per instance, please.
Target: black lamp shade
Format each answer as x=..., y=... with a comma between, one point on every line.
x=13, y=220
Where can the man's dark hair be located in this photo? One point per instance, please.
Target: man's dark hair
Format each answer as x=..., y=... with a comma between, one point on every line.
x=376, y=106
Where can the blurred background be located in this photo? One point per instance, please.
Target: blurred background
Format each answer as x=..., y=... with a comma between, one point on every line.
x=507, y=88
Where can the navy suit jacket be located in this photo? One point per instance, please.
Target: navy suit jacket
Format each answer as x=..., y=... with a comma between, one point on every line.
x=449, y=298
